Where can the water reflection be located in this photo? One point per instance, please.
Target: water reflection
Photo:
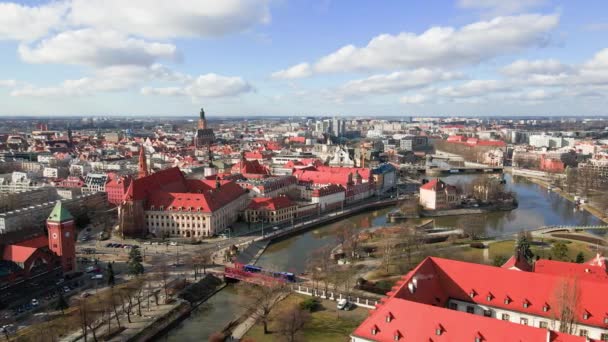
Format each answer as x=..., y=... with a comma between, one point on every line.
x=537, y=207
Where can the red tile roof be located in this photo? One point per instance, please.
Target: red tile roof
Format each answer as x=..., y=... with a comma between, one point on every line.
x=581, y=271
x=436, y=185
x=272, y=204
x=21, y=251
x=203, y=197
x=250, y=167
x=167, y=180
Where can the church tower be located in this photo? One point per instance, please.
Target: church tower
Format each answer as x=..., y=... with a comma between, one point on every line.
x=202, y=122
x=143, y=164
x=62, y=238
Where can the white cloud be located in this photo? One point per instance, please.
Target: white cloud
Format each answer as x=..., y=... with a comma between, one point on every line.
x=494, y=7
x=96, y=48
x=209, y=85
x=474, y=88
x=396, y=82
x=444, y=46
x=296, y=71
x=171, y=19
x=8, y=83
x=19, y=22
x=414, y=99
x=536, y=67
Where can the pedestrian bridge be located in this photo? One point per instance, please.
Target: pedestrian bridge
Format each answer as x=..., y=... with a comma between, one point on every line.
x=550, y=229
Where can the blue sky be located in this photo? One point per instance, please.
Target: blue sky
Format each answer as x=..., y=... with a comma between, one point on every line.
x=304, y=57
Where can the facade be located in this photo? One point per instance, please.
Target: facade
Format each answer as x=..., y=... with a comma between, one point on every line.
x=357, y=182
x=328, y=197
x=62, y=236
x=436, y=195
x=95, y=182
x=116, y=188
x=385, y=177
x=447, y=300
x=165, y=203
x=269, y=187
x=270, y=210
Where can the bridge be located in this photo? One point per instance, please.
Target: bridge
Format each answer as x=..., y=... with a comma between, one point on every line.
x=571, y=229
x=238, y=272
x=444, y=171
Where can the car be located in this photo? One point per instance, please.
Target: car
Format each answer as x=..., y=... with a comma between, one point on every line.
x=97, y=277
x=173, y=243
x=66, y=289
x=35, y=302
x=275, y=228
x=154, y=243
x=343, y=304
x=147, y=243
x=91, y=269
x=85, y=295
x=59, y=282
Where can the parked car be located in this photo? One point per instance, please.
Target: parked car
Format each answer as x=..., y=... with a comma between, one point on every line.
x=97, y=277
x=343, y=304
x=35, y=302
x=173, y=243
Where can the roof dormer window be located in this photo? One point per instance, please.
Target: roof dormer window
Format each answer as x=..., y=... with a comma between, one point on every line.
x=439, y=330
x=546, y=307
x=526, y=304
x=397, y=335
x=606, y=319
x=507, y=300
x=472, y=293
x=375, y=330
x=489, y=297
x=586, y=314
x=389, y=317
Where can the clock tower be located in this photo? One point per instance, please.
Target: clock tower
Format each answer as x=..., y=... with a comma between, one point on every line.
x=62, y=238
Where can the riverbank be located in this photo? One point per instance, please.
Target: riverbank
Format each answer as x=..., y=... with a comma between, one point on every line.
x=467, y=211
x=587, y=207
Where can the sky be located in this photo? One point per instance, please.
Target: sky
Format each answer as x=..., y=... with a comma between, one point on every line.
x=304, y=57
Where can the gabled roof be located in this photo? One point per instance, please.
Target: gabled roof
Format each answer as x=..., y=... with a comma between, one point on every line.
x=272, y=204
x=60, y=213
x=20, y=252
x=581, y=271
x=203, y=196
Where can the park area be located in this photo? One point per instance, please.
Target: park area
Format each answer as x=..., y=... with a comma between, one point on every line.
x=324, y=324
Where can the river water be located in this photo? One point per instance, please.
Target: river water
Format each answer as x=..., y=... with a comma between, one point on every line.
x=537, y=207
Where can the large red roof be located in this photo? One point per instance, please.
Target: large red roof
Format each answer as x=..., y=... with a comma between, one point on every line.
x=203, y=196
x=167, y=180
x=581, y=271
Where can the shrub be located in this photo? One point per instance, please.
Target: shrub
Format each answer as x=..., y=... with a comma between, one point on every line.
x=479, y=245
x=309, y=304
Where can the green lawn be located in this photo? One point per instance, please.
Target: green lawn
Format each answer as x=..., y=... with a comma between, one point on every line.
x=506, y=248
x=326, y=325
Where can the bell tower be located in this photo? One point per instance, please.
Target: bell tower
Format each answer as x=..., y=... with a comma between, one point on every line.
x=143, y=164
x=62, y=238
x=202, y=122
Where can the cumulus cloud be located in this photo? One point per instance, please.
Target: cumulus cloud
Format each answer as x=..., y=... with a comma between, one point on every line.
x=474, y=88
x=208, y=86
x=443, y=46
x=495, y=7
x=414, y=99
x=396, y=82
x=96, y=48
x=8, y=83
x=297, y=71
x=20, y=22
x=171, y=19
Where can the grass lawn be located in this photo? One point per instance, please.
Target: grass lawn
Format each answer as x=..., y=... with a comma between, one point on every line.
x=506, y=248
x=326, y=325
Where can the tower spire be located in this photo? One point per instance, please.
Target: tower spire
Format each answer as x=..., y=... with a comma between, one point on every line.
x=202, y=122
x=143, y=164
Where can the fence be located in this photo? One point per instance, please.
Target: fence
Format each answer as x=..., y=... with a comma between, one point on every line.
x=335, y=296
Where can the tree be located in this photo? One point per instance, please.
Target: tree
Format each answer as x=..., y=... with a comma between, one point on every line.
x=566, y=299
x=164, y=277
x=522, y=246
x=61, y=304
x=559, y=251
x=265, y=298
x=310, y=304
x=291, y=322
x=499, y=260
x=110, y=275
x=199, y=261
x=580, y=258
x=135, y=262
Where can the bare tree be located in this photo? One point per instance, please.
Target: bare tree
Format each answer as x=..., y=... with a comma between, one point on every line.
x=388, y=249
x=164, y=277
x=291, y=322
x=265, y=298
x=199, y=261
x=566, y=299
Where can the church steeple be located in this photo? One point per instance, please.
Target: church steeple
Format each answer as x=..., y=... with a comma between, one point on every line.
x=143, y=164
x=202, y=122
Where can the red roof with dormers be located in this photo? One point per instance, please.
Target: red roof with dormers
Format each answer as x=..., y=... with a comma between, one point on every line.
x=202, y=196
x=167, y=180
x=21, y=251
x=437, y=185
x=581, y=271
x=272, y=204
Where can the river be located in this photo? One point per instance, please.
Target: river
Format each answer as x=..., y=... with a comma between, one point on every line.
x=537, y=207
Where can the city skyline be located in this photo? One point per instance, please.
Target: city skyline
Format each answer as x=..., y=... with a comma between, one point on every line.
x=301, y=58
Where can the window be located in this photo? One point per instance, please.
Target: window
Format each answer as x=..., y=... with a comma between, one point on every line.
x=582, y=332
x=505, y=317
x=470, y=309
x=523, y=321
x=604, y=337
x=487, y=313
x=453, y=306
